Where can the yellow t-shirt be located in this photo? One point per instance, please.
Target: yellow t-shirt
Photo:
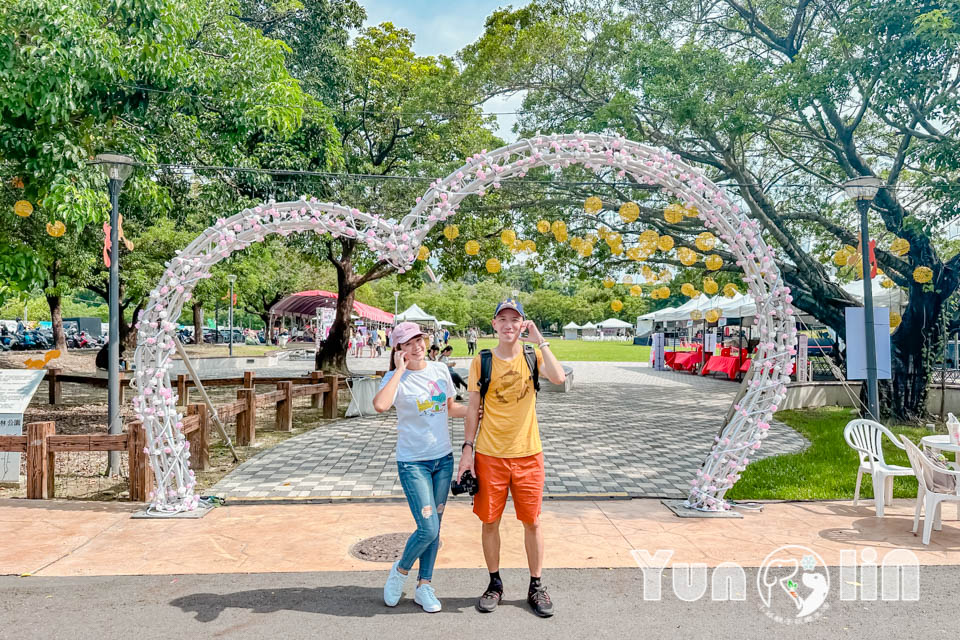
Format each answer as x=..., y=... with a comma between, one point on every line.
x=509, y=426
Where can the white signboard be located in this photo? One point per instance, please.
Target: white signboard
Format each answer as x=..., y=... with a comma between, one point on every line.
x=857, y=343
x=802, y=343
x=17, y=386
x=710, y=342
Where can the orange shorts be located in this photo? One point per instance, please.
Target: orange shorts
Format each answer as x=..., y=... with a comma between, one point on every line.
x=524, y=477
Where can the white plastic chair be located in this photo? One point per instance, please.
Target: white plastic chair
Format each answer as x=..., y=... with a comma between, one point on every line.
x=927, y=498
x=866, y=437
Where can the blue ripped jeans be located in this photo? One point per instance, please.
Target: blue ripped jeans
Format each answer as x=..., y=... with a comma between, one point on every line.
x=425, y=483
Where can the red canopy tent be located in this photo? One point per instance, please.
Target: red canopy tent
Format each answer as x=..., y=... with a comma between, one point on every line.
x=306, y=303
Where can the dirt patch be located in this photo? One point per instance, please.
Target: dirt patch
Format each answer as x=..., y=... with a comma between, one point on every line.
x=76, y=361
x=383, y=548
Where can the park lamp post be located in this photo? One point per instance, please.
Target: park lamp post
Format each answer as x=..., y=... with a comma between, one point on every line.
x=232, y=278
x=862, y=191
x=396, y=306
x=117, y=169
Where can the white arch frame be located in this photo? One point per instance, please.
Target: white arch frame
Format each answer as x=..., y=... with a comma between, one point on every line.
x=155, y=402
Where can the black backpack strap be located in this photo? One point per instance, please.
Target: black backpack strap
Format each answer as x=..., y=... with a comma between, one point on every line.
x=530, y=354
x=486, y=370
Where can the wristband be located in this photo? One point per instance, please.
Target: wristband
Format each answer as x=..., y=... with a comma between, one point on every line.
x=464, y=445
x=543, y=344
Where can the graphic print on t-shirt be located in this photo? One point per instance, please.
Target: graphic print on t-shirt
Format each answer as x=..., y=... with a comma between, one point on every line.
x=511, y=387
x=433, y=402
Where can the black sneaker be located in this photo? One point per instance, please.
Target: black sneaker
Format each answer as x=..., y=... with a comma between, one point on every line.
x=489, y=600
x=539, y=601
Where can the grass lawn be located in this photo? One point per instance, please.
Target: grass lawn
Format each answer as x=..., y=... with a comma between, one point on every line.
x=573, y=350
x=827, y=470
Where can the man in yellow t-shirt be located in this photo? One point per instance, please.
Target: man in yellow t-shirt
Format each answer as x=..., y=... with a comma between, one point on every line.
x=506, y=455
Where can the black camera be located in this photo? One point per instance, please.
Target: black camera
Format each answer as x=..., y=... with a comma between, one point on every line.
x=467, y=484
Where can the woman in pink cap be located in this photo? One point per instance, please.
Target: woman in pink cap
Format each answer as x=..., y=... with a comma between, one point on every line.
x=423, y=395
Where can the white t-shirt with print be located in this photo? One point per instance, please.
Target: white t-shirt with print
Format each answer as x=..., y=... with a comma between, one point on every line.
x=421, y=403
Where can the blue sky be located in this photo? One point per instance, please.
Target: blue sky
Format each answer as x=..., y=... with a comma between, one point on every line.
x=444, y=27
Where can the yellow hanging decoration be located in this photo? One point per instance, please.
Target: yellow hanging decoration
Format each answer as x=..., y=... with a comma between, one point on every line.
x=687, y=256
x=664, y=292
x=688, y=290
x=665, y=243
x=543, y=226
x=664, y=275
x=730, y=290
x=900, y=247
x=673, y=213
x=649, y=236
x=612, y=238
x=633, y=253
x=710, y=286
x=636, y=290
x=451, y=231
x=617, y=250
x=56, y=229
x=655, y=294
x=705, y=241
x=895, y=320
x=696, y=315
x=609, y=283
x=713, y=315
x=508, y=236
x=586, y=249
x=691, y=211
x=423, y=254
x=529, y=246
x=648, y=273
x=560, y=237
x=493, y=265
x=923, y=274
x=629, y=212
x=23, y=208
x=713, y=262
x=558, y=226
x=592, y=205
x=472, y=247
x=617, y=306
x=887, y=283
x=840, y=258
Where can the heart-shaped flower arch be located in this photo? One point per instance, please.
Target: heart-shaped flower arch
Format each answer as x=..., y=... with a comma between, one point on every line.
x=156, y=403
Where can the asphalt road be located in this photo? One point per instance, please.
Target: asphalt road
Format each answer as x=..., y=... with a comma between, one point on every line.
x=590, y=603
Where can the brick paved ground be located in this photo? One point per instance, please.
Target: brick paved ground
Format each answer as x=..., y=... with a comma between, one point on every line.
x=624, y=428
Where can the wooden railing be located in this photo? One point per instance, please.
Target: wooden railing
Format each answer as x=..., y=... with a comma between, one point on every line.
x=41, y=444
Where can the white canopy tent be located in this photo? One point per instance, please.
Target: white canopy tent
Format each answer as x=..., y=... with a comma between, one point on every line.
x=614, y=323
x=589, y=330
x=570, y=331
x=415, y=314
x=892, y=298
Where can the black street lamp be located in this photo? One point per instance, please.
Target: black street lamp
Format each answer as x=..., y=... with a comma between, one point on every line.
x=232, y=278
x=117, y=168
x=862, y=191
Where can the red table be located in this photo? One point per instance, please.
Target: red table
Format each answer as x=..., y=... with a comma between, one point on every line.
x=729, y=365
x=687, y=361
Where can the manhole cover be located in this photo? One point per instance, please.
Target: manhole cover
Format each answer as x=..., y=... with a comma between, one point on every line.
x=384, y=548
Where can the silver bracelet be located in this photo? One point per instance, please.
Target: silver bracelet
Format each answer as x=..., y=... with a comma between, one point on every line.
x=543, y=344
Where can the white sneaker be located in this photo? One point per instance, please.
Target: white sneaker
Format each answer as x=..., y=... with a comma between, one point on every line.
x=394, y=587
x=426, y=598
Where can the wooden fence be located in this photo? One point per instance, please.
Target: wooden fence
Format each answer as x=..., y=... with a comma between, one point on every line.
x=41, y=444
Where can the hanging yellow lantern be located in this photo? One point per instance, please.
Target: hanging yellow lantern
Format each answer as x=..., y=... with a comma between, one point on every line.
x=612, y=238
x=636, y=290
x=602, y=233
x=887, y=283
x=691, y=211
x=923, y=274
x=560, y=237
x=23, y=208
x=665, y=243
x=688, y=290
x=648, y=273
x=629, y=212
x=609, y=283
x=900, y=247
x=895, y=319
x=649, y=236
x=673, y=213
x=687, y=256
x=472, y=247
x=664, y=276
x=730, y=290
x=617, y=306
x=517, y=245
x=592, y=205
x=713, y=262
x=705, y=241
x=710, y=286
x=558, y=226
x=635, y=254
x=713, y=315
x=696, y=315
x=529, y=246
x=493, y=265
x=627, y=279
x=508, y=236
x=664, y=292
x=840, y=258
x=423, y=254
x=543, y=226
x=586, y=249
x=56, y=229
x=451, y=231
x=655, y=294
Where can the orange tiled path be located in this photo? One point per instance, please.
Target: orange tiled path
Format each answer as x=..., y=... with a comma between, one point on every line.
x=53, y=538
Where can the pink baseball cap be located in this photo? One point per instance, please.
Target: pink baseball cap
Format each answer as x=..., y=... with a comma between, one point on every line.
x=405, y=332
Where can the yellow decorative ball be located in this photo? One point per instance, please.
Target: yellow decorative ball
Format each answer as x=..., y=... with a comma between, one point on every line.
x=493, y=265
x=648, y=273
x=840, y=258
x=705, y=241
x=472, y=247
x=424, y=253
x=633, y=253
x=649, y=237
x=688, y=290
x=923, y=274
x=586, y=249
x=629, y=212
x=887, y=283
x=664, y=292
x=543, y=226
x=617, y=306
x=529, y=246
x=713, y=315
x=730, y=290
x=593, y=204
x=451, y=231
x=895, y=319
x=609, y=283
x=710, y=286
x=664, y=276
x=636, y=290
x=56, y=229
x=900, y=247
x=560, y=236
x=673, y=213
x=23, y=208
x=713, y=262
x=665, y=243
x=617, y=250
x=687, y=256
x=558, y=226
x=696, y=315
x=691, y=211
x=655, y=294
x=508, y=236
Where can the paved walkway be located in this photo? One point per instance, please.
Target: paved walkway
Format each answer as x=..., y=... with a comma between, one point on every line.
x=625, y=430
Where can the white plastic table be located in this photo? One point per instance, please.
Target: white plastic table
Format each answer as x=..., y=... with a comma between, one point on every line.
x=942, y=443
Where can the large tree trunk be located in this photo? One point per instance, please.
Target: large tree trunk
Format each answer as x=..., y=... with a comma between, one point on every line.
x=197, y=323
x=333, y=354
x=56, y=318
x=915, y=346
